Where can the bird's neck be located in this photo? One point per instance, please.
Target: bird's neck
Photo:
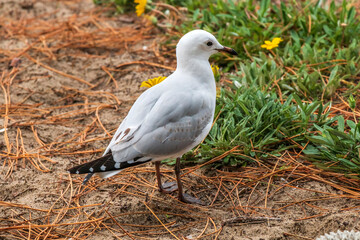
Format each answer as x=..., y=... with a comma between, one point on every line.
x=195, y=67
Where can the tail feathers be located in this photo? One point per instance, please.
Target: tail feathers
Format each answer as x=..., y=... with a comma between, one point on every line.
x=108, y=173
x=87, y=178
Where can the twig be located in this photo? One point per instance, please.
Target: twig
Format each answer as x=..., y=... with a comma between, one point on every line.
x=253, y=220
x=145, y=63
x=294, y=235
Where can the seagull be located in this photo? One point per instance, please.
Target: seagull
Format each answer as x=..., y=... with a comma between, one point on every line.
x=168, y=119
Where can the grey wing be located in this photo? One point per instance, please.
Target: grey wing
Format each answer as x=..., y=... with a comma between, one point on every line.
x=124, y=135
x=176, y=124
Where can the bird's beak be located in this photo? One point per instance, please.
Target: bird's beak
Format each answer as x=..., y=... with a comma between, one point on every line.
x=228, y=50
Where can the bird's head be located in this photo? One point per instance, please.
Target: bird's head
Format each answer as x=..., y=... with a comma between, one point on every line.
x=201, y=45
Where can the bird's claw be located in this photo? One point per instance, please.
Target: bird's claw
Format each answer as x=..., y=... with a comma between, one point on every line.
x=186, y=198
x=168, y=187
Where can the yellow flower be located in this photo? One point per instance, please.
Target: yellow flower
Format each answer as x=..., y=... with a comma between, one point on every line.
x=273, y=44
x=140, y=8
x=152, y=82
x=215, y=70
x=277, y=40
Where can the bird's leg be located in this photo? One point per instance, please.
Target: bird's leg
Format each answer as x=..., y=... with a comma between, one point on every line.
x=183, y=196
x=167, y=187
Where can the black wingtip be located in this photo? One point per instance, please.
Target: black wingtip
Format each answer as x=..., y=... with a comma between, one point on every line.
x=92, y=166
x=105, y=163
x=74, y=170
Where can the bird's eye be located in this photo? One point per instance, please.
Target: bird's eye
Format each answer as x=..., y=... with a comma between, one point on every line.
x=209, y=43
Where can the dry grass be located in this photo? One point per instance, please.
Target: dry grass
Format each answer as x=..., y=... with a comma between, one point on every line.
x=239, y=196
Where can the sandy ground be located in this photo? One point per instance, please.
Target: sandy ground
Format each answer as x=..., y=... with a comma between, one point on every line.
x=67, y=97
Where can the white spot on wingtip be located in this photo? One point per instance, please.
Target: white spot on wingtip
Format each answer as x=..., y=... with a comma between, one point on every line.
x=117, y=165
x=103, y=168
x=77, y=172
x=91, y=169
x=130, y=161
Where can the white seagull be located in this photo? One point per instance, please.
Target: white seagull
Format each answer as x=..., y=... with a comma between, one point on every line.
x=168, y=119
